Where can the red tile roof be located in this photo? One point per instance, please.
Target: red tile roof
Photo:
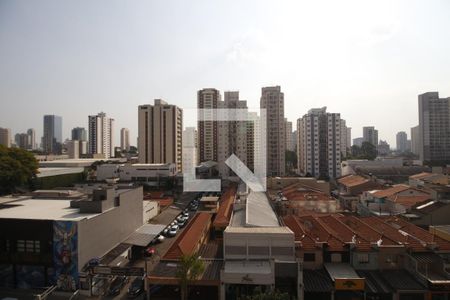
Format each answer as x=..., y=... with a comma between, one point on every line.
x=225, y=207
x=186, y=242
x=352, y=180
x=338, y=231
x=391, y=191
x=420, y=175
x=409, y=200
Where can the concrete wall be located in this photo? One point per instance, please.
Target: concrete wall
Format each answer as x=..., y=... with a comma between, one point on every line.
x=150, y=210
x=259, y=245
x=98, y=235
x=372, y=263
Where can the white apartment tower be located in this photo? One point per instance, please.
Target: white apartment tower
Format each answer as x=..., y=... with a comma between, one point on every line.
x=272, y=99
x=207, y=98
x=101, y=136
x=189, y=149
x=160, y=133
x=125, y=139
x=319, y=144
x=434, y=128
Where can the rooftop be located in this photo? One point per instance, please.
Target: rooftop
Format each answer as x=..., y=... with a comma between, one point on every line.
x=47, y=172
x=43, y=209
x=225, y=208
x=352, y=180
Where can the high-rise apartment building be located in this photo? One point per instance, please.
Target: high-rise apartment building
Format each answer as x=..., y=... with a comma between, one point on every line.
x=189, y=149
x=319, y=144
x=370, y=134
x=272, y=100
x=289, y=141
x=21, y=140
x=101, y=135
x=402, y=141
x=415, y=140
x=31, y=143
x=125, y=139
x=160, y=133
x=434, y=128
x=5, y=137
x=52, y=139
x=207, y=130
x=233, y=135
x=345, y=139
x=383, y=148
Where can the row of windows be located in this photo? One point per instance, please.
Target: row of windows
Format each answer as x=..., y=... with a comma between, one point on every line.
x=22, y=246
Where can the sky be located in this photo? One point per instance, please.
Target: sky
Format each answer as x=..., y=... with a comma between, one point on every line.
x=367, y=60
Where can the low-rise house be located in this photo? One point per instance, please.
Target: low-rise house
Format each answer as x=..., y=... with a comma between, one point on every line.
x=424, y=178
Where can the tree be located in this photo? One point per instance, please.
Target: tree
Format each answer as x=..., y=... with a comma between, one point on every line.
x=189, y=269
x=271, y=295
x=369, y=151
x=17, y=168
x=290, y=160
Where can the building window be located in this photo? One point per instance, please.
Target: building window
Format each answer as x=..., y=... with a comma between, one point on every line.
x=20, y=246
x=363, y=258
x=311, y=257
x=29, y=246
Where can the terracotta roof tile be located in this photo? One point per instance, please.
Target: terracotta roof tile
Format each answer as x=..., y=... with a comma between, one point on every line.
x=352, y=180
x=225, y=207
x=190, y=237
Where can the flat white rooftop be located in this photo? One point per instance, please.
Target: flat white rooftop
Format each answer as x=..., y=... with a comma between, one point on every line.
x=42, y=209
x=80, y=162
x=47, y=172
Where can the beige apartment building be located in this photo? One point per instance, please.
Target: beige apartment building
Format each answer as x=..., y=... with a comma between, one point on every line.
x=160, y=133
x=5, y=137
x=125, y=139
x=272, y=99
x=101, y=136
x=207, y=130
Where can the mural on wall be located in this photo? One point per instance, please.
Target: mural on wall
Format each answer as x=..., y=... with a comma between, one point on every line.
x=65, y=256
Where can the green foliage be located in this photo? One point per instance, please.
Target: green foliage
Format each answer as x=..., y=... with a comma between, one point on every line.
x=17, y=168
x=366, y=151
x=272, y=295
x=189, y=269
x=291, y=159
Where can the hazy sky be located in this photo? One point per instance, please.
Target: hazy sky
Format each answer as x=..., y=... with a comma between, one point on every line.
x=366, y=60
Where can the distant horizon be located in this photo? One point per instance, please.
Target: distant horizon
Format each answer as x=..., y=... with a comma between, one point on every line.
x=367, y=61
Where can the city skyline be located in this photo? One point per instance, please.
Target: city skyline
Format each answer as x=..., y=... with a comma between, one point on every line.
x=59, y=58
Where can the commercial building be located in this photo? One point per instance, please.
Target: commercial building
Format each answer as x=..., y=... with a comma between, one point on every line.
x=272, y=100
x=319, y=140
x=47, y=238
x=434, y=128
x=258, y=251
x=208, y=130
x=73, y=149
x=402, y=141
x=150, y=174
x=101, y=136
x=125, y=139
x=79, y=134
x=52, y=139
x=370, y=134
x=160, y=134
x=383, y=148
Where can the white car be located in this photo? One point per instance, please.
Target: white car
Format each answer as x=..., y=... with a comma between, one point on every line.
x=173, y=231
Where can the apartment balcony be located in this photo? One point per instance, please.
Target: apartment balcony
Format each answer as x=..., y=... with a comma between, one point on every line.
x=431, y=269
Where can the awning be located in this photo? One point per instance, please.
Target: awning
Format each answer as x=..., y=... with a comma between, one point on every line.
x=344, y=277
x=144, y=235
x=375, y=283
x=317, y=281
x=401, y=280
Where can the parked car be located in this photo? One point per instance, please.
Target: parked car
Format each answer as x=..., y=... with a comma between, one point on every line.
x=186, y=214
x=136, y=287
x=160, y=238
x=194, y=207
x=116, y=285
x=183, y=223
x=98, y=286
x=166, y=231
x=173, y=231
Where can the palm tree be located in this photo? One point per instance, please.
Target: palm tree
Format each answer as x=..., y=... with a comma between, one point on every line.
x=189, y=269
